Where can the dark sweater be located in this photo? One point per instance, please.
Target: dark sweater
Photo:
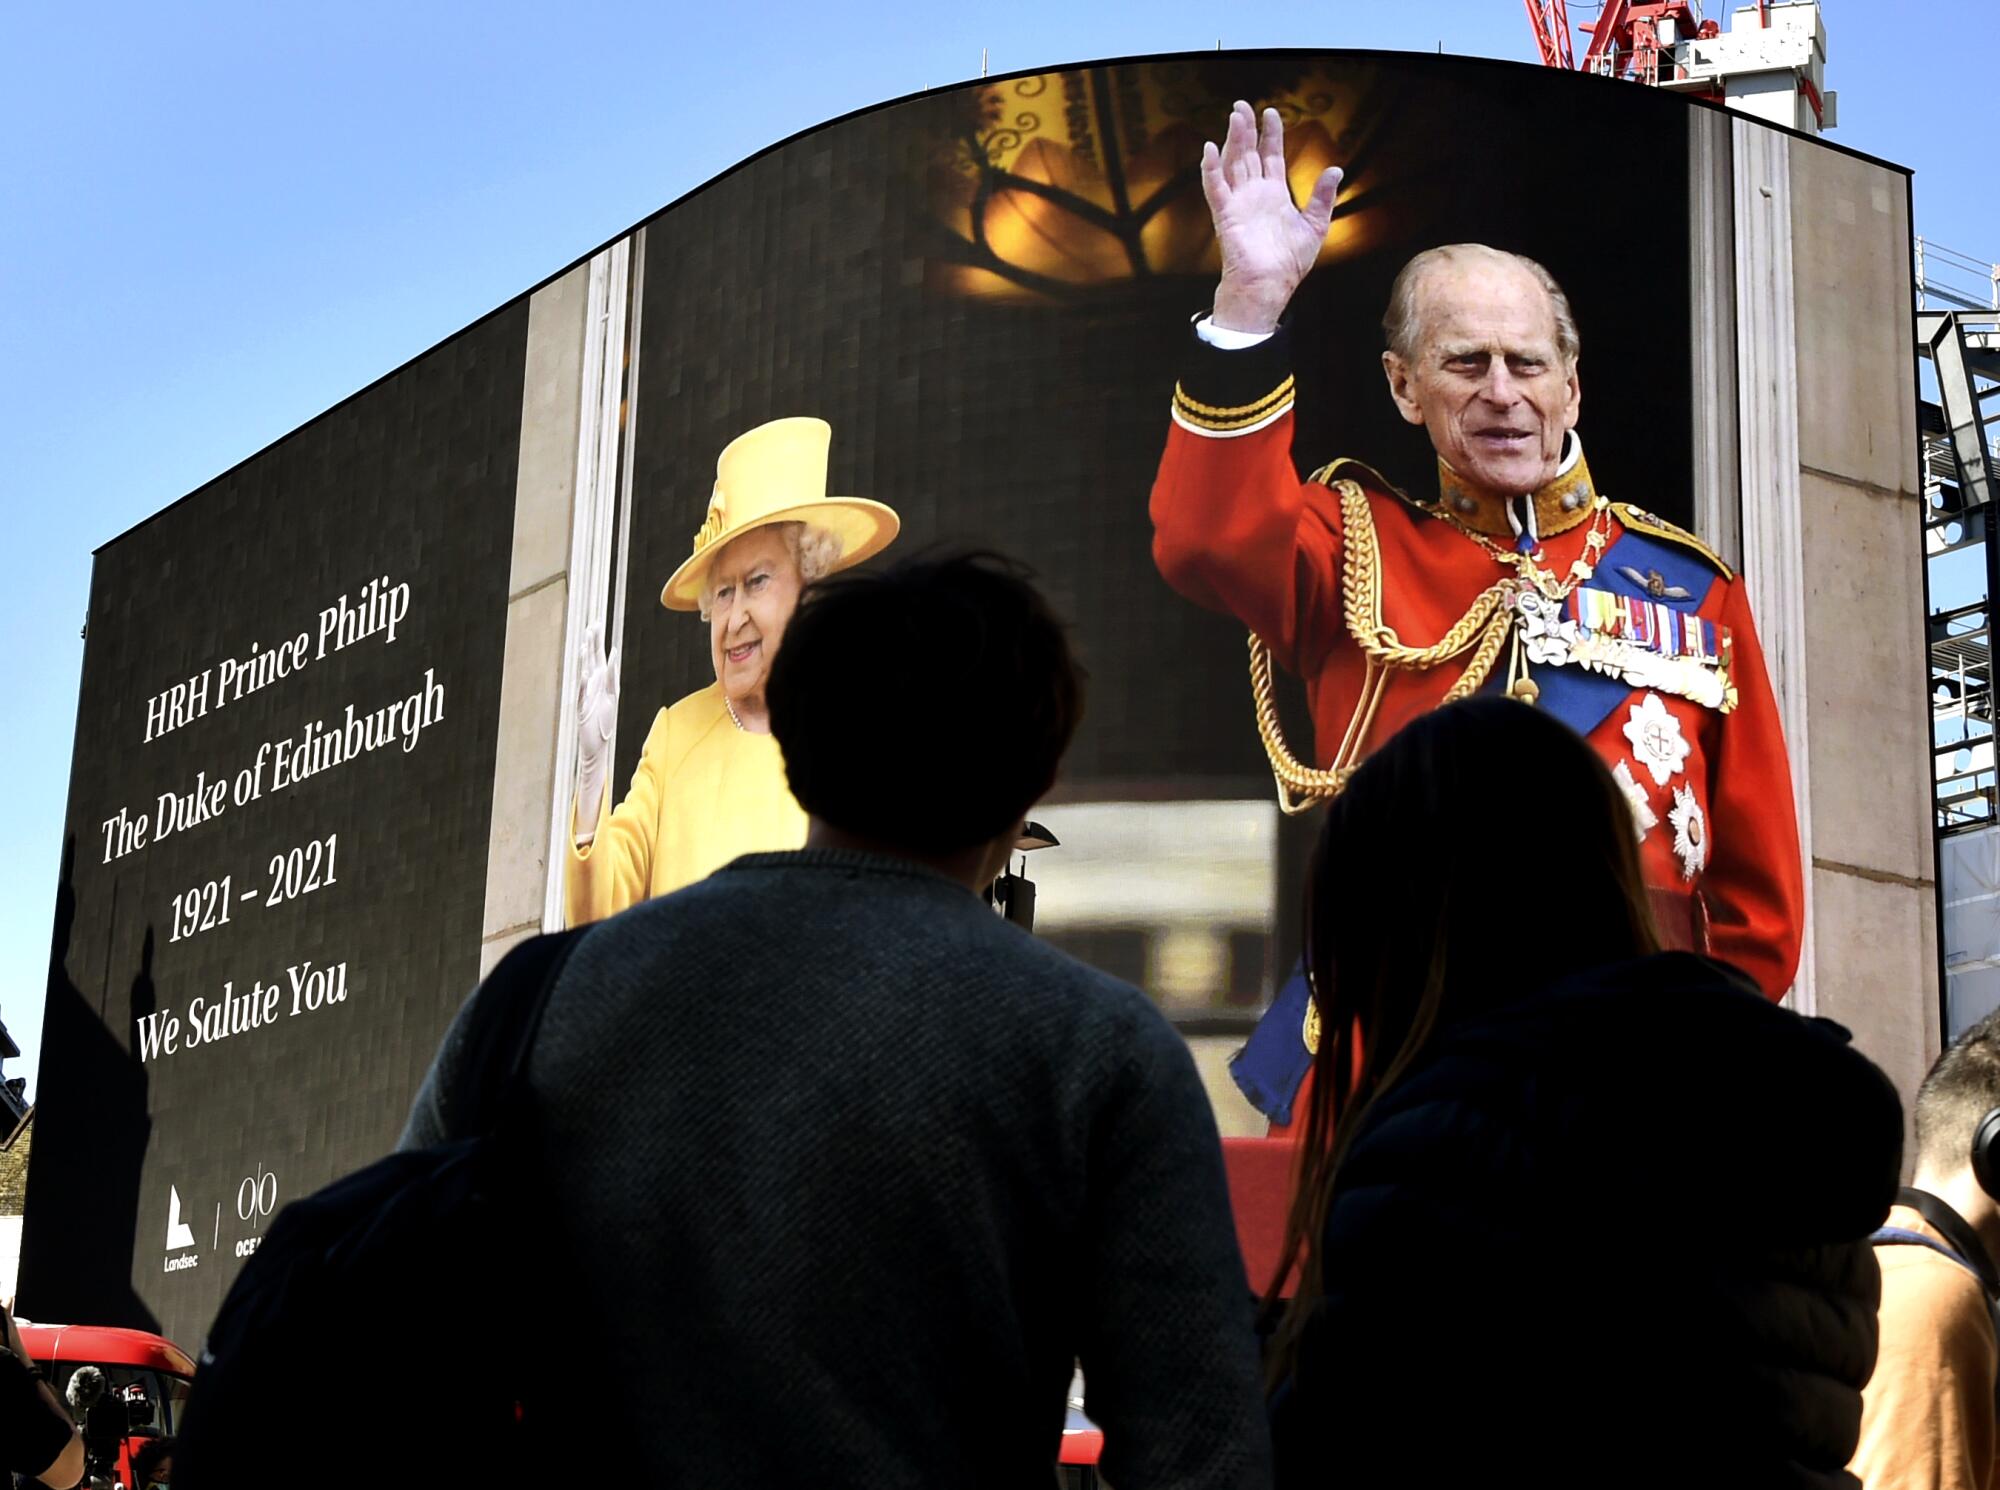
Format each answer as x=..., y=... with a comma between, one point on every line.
x=852, y=1170
x=1614, y=1233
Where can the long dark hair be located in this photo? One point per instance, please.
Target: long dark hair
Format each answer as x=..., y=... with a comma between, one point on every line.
x=1481, y=853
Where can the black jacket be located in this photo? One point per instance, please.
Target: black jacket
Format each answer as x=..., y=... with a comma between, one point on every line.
x=1612, y=1233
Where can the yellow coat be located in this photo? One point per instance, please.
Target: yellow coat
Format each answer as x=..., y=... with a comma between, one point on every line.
x=705, y=792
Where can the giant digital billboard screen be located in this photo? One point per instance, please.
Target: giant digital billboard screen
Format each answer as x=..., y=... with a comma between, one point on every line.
x=349, y=727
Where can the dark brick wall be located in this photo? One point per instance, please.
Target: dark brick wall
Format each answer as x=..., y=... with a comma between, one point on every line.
x=14, y=1170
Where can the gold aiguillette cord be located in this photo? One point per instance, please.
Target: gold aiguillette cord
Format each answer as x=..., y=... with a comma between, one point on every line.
x=1483, y=630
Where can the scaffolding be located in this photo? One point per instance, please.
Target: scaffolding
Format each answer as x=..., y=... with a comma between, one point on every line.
x=1958, y=331
x=1954, y=281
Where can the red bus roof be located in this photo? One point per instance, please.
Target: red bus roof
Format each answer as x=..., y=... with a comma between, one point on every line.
x=104, y=1345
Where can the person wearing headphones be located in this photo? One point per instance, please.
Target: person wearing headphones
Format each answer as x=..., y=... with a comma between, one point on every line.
x=1928, y=1413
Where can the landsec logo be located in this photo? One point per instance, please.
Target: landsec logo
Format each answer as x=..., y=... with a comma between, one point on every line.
x=180, y=1235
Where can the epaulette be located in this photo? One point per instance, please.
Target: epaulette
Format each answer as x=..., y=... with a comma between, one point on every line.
x=1326, y=476
x=1642, y=521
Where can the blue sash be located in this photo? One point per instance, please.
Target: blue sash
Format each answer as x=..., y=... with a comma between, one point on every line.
x=1270, y=1067
x=1583, y=699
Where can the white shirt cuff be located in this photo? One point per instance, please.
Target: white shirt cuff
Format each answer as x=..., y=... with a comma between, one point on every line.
x=1228, y=339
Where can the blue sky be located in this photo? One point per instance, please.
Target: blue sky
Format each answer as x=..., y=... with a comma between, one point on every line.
x=218, y=219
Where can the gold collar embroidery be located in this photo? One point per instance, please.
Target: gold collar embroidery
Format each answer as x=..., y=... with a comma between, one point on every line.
x=1562, y=504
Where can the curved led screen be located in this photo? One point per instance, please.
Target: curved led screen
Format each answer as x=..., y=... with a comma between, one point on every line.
x=329, y=740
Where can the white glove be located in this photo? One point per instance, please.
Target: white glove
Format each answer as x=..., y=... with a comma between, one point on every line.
x=596, y=725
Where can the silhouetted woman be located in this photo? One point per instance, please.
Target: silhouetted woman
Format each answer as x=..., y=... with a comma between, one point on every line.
x=1571, y=1210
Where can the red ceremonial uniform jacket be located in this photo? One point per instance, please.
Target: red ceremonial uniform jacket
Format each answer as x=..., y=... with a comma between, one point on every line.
x=1236, y=530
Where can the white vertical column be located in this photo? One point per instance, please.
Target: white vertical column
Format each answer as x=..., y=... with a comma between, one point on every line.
x=594, y=557
x=1768, y=425
x=1718, y=507
x=517, y=869
x=628, y=408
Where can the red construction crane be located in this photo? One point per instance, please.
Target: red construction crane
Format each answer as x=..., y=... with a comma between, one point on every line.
x=1550, y=18
x=1772, y=71
x=1626, y=40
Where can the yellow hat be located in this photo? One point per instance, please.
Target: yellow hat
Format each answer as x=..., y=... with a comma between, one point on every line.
x=776, y=473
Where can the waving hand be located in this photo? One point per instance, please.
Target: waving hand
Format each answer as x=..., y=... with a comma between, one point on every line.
x=1268, y=244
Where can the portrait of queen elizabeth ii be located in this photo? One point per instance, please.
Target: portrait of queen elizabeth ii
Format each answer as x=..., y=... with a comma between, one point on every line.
x=710, y=783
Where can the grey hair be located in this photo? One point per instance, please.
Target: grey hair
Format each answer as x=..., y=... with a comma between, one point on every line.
x=1400, y=321
x=815, y=551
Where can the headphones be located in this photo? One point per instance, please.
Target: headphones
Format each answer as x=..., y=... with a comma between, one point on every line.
x=1986, y=1153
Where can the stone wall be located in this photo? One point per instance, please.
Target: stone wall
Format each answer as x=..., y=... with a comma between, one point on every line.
x=537, y=601
x=1874, y=931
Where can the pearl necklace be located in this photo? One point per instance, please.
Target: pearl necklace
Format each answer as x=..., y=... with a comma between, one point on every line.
x=733, y=717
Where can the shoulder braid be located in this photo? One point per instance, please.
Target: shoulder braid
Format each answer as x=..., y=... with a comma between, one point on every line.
x=1332, y=472
x=1641, y=521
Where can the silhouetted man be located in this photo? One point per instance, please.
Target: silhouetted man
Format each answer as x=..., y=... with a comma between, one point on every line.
x=853, y=1171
